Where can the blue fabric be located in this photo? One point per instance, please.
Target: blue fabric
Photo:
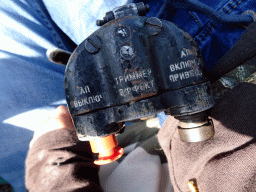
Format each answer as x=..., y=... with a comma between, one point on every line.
x=78, y=18
x=29, y=83
x=214, y=38
x=31, y=86
x=218, y=16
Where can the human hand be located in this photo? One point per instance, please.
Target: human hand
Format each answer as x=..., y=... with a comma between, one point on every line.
x=60, y=119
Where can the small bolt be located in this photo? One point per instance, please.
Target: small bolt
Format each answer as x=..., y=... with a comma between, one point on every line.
x=142, y=9
x=100, y=22
x=93, y=44
x=153, y=25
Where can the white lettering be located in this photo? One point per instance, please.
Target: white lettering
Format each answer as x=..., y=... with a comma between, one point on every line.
x=144, y=73
x=136, y=88
x=121, y=92
x=133, y=76
x=171, y=78
x=172, y=68
x=185, y=75
x=139, y=75
x=142, y=86
x=84, y=90
x=126, y=78
x=75, y=104
x=87, y=101
x=97, y=98
x=187, y=64
x=183, y=54
x=80, y=103
x=128, y=90
x=198, y=73
x=186, y=52
x=146, y=85
x=152, y=83
x=177, y=66
x=174, y=77
x=91, y=100
x=87, y=89
x=116, y=80
x=182, y=65
x=182, y=76
x=121, y=78
x=192, y=73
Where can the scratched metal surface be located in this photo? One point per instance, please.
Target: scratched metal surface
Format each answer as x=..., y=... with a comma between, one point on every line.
x=130, y=68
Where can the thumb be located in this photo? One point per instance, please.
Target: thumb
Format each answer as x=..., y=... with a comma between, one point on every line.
x=60, y=119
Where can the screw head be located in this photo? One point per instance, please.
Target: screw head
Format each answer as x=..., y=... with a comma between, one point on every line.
x=93, y=44
x=153, y=25
x=127, y=52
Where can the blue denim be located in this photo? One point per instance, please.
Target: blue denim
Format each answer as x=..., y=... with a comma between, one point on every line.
x=31, y=86
x=214, y=36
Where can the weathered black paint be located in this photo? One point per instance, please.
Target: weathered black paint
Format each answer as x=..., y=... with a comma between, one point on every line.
x=136, y=73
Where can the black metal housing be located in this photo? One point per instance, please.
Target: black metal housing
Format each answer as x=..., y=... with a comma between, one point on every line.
x=130, y=68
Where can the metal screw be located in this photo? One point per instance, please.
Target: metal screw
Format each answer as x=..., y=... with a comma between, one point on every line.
x=127, y=52
x=153, y=25
x=93, y=44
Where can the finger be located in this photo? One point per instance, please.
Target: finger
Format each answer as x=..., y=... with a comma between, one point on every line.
x=61, y=118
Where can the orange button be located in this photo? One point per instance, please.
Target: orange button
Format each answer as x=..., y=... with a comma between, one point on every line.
x=107, y=149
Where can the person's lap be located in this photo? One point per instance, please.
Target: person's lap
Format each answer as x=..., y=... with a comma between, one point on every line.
x=31, y=86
